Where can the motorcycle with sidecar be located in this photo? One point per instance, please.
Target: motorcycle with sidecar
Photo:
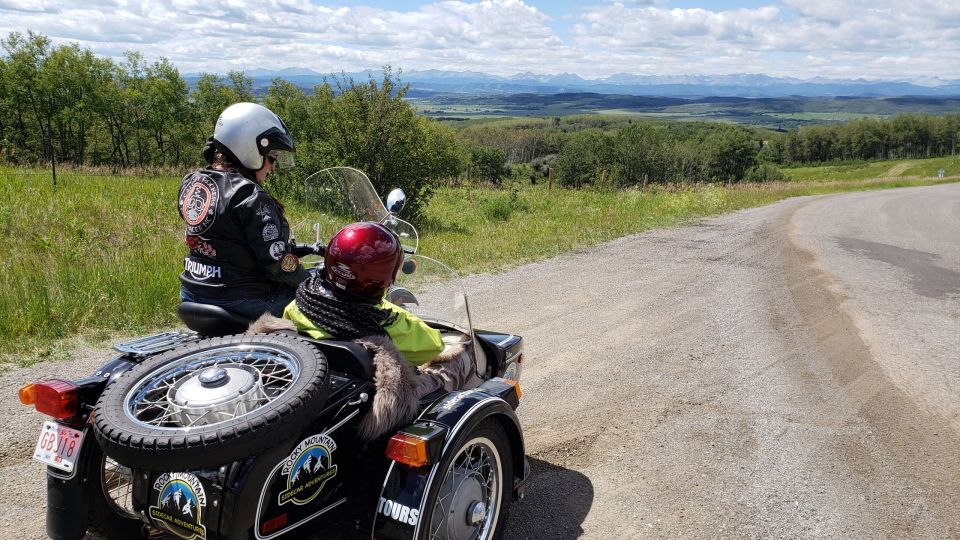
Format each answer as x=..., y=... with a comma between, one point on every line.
x=214, y=433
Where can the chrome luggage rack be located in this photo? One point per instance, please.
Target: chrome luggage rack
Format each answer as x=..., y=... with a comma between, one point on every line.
x=156, y=343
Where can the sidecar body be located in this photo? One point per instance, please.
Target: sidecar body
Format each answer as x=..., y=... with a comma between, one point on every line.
x=450, y=473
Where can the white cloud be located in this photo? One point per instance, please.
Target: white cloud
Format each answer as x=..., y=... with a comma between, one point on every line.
x=802, y=38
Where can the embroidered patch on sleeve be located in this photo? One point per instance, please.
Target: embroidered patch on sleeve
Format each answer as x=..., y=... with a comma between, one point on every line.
x=277, y=249
x=264, y=213
x=289, y=263
x=270, y=232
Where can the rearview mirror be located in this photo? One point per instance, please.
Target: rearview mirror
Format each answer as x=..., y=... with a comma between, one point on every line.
x=396, y=200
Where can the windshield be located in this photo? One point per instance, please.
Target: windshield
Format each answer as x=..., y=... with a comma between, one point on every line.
x=432, y=291
x=424, y=286
x=346, y=195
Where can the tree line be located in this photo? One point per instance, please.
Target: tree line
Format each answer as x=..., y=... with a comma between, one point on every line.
x=904, y=136
x=621, y=151
x=63, y=104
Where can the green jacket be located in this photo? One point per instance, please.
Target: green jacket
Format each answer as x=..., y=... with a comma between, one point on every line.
x=416, y=341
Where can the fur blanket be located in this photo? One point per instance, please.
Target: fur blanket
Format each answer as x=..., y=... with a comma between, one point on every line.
x=399, y=385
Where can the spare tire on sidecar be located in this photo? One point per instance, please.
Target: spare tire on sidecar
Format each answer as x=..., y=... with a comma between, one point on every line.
x=211, y=402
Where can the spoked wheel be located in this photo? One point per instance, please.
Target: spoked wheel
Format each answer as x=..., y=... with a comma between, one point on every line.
x=117, y=483
x=109, y=493
x=211, y=402
x=472, y=499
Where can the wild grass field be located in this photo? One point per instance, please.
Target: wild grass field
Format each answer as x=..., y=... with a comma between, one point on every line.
x=98, y=256
x=853, y=171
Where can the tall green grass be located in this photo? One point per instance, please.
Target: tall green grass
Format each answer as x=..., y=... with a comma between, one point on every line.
x=100, y=256
x=90, y=253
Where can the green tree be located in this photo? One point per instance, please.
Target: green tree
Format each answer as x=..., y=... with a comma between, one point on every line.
x=641, y=150
x=488, y=163
x=730, y=152
x=583, y=158
x=374, y=129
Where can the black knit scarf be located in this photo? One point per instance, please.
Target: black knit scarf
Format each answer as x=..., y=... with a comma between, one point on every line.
x=343, y=319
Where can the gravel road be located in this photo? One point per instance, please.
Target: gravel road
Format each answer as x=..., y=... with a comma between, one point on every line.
x=784, y=371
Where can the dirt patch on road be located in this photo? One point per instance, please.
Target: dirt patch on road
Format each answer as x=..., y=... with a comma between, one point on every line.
x=571, y=453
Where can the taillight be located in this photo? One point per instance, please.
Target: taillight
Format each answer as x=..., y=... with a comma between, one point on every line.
x=516, y=386
x=408, y=450
x=55, y=398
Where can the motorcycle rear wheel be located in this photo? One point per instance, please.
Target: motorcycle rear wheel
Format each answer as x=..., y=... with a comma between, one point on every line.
x=108, y=490
x=211, y=402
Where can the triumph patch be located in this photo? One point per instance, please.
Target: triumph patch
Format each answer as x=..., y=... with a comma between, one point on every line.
x=198, y=204
x=277, y=249
x=202, y=272
x=308, y=468
x=289, y=262
x=181, y=501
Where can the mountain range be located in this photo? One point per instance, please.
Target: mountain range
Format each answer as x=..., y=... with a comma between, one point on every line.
x=432, y=82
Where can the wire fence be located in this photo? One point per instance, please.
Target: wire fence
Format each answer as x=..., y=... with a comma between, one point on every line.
x=36, y=172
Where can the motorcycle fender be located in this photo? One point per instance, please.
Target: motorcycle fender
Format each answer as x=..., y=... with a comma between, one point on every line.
x=403, y=498
x=66, y=509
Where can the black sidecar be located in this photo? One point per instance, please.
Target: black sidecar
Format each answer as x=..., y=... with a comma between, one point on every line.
x=293, y=465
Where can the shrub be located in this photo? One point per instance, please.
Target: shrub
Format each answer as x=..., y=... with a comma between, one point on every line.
x=489, y=163
x=765, y=172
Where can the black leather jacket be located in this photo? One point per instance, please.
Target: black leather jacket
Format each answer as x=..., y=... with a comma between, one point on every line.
x=238, y=238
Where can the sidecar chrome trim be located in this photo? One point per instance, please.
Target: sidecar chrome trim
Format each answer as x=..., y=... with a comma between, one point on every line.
x=342, y=422
x=299, y=523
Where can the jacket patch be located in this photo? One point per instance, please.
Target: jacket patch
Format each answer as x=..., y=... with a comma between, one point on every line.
x=198, y=204
x=264, y=213
x=308, y=468
x=270, y=232
x=197, y=244
x=289, y=262
x=202, y=272
x=277, y=249
x=181, y=501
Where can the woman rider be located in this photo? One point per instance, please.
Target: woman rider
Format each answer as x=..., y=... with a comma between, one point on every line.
x=240, y=256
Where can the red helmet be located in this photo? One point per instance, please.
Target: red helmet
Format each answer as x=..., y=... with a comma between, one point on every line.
x=363, y=259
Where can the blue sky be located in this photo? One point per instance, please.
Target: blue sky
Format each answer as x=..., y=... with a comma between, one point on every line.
x=917, y=41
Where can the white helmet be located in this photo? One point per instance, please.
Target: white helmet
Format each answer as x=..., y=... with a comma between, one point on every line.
x=250, y=131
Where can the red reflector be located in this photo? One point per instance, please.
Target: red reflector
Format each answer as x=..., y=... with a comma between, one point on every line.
x=56, y=398
x=408, y=450
x=273, y=524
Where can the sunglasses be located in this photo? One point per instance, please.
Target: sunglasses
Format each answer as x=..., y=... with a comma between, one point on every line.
x=272, y=159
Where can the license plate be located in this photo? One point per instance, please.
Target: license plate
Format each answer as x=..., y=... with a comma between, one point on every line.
x=58, y=446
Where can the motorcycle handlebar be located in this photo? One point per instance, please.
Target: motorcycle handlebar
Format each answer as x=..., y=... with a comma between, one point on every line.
x=302, y=250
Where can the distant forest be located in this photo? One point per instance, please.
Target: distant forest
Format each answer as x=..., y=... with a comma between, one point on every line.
x=65, y=104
